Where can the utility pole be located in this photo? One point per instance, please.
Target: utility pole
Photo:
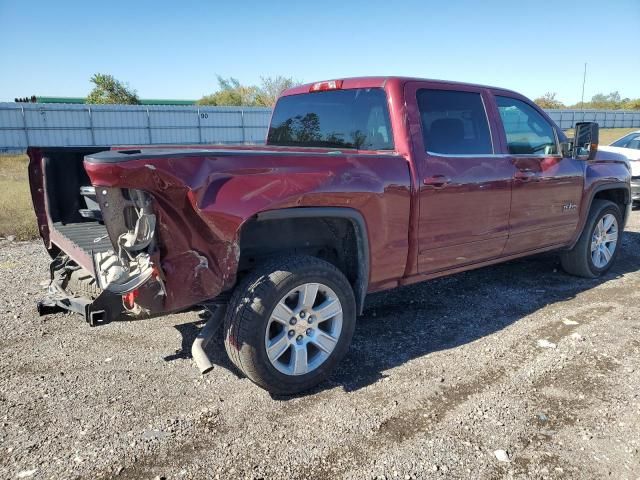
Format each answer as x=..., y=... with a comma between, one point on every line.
x=584, y=80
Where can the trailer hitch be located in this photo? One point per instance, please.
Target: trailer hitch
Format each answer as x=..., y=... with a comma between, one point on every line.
x=103, y=309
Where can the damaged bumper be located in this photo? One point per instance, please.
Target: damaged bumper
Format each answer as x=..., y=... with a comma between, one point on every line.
x=101, y=310
x=73, y=289
x=123, y=279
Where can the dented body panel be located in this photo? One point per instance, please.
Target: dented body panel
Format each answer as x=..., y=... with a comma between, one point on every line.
x=202, y=199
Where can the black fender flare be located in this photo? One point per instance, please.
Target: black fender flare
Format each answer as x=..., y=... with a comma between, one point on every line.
x=359, y=226
x=601, y=188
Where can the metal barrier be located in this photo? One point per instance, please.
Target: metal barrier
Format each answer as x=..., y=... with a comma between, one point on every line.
x=605, y=118
x=32, y=124
x=28, y=124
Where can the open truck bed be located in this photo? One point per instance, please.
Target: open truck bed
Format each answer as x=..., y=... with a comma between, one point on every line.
x=186, y=199
x=87, y=236
x=58, y=184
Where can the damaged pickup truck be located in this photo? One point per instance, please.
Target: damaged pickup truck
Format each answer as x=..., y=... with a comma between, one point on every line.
x=364, y=184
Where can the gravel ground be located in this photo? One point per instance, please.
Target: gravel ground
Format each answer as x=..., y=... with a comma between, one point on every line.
x=514, y=371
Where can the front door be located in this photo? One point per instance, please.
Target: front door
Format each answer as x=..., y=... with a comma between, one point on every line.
x=547, y=188
x=465, y=191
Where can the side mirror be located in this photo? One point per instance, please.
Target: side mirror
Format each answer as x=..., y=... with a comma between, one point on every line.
x=585, y=144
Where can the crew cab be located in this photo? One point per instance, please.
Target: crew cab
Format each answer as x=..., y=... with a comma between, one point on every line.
x=364, y=184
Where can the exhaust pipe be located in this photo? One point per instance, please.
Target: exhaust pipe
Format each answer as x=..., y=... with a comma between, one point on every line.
x=203, y=338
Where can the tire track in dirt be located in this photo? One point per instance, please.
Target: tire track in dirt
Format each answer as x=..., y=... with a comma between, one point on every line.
x=407, y=424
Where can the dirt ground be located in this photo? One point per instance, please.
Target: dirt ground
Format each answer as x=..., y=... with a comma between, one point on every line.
x=517, y=361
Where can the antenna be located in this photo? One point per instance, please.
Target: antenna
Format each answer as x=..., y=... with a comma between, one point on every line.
x=584, y=80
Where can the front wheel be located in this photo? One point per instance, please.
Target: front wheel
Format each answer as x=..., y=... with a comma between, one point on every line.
x=289, y=323
x=598, y=245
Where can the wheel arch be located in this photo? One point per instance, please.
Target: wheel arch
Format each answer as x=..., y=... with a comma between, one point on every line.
x=616, y=192
x=304, y=217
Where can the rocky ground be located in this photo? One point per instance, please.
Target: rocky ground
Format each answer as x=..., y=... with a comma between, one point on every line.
x=514, y=371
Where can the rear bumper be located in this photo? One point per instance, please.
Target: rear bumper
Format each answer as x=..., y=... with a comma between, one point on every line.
x=104, y=309
x=73, y=289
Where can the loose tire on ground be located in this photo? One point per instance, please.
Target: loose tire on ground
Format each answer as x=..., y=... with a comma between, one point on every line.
x=251, y=312
x=578, y=261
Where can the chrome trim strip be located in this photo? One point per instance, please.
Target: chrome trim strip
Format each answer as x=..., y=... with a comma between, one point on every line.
x=486, y=116
x=469, y=155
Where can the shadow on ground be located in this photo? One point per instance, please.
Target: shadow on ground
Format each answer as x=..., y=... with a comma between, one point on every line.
x=410, y=322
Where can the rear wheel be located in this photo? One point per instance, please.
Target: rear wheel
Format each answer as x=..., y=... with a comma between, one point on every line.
x=289, y=323
x=598, y=245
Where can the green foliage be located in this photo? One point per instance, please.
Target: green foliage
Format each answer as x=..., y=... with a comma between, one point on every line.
x=612, y=101
x=108, y=90
x=272, y=87
x=232, y=92
x=631, y=104
x=549, y=100
x=600, y=101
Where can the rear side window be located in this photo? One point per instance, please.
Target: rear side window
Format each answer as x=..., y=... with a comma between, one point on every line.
x=356, y=118
x=528, y=132
x=454, y=122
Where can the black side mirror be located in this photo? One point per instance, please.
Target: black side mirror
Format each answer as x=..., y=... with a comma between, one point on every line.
x=585, y=144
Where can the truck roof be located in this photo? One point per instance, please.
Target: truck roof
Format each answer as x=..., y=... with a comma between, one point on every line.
x=382, y=81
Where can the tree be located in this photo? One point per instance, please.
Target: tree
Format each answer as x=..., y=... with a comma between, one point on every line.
x=109, y=90
x=631, y=104
x=231, y=92
x=601, y=101
x=612, y=101
x=549, y=100
x=272, y=87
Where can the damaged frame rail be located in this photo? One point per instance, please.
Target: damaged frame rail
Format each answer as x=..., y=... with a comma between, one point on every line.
x=119, y=275
x=96, y=311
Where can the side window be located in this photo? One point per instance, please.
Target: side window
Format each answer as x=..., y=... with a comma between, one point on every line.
x=454, y=122
x=528, y=133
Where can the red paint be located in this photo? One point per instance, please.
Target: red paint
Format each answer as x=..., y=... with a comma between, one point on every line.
x=426, y=215
x=129, y=299
x=202, y=202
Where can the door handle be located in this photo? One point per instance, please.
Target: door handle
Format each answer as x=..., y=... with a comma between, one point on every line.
x=437, y=181
x=525, y=175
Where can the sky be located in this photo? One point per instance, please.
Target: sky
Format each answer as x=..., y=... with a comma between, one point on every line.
x=175, y=49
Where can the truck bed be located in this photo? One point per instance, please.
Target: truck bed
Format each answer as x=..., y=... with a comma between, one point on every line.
x=88, y=236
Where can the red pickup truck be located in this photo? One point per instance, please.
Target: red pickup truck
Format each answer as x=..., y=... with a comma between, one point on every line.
x=364, y=184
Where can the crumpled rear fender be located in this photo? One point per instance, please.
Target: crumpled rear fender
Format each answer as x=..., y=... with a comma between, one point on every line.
x=202, y=199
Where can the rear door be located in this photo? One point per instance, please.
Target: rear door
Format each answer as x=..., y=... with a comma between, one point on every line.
x=547, y=188
x=465, y=189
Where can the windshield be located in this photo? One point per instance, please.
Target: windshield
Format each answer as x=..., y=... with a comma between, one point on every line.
x=357, y=118
x=629, y=141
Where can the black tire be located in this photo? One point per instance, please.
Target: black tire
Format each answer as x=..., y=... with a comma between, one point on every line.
x=252, y=304
x=81, y=282
x=577, y=261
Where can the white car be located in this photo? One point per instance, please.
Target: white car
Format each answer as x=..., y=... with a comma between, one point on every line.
x=629, y=146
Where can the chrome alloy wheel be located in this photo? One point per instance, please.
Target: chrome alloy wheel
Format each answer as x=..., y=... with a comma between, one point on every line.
x=604, y=241
x=303, y=329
